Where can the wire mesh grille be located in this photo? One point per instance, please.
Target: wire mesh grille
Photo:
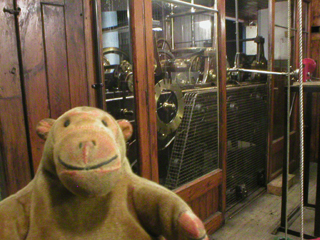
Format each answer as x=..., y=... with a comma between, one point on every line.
x=195, y=149
x=247, y=141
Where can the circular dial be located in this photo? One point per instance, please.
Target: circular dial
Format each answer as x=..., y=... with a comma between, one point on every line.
x=170, y=105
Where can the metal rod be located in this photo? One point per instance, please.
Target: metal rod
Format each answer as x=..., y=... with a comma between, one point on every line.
x=178, y=2
x=293, y=101
x=242, y=40
x=172, y=28
x=188, y=13
x=204, y=40
x=257, y=71
x=288, y=112
x=193, y=44
x=292, y=29
x=237, y=32
x=301, y=117
x=279, y=26
x=118, y=98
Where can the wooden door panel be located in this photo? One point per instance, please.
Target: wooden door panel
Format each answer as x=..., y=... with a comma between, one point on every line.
x=13, y=141
x=34, y=71
x=203, y=197
x=56, y=58
x=52, y=39
x=76, y=53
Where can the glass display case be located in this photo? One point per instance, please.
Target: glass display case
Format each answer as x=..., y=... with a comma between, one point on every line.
x=185, y=82
x=247, y=102
x=179, y=100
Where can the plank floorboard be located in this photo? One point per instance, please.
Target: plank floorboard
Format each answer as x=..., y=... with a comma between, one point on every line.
x=259, y=219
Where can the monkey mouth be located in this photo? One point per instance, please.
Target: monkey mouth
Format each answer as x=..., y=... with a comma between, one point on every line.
x=71, y=167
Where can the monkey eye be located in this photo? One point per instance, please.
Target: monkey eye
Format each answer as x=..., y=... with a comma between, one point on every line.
x=104, y=123
x=66, y=123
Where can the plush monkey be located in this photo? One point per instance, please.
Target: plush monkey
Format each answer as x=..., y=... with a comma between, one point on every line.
x=85, y=189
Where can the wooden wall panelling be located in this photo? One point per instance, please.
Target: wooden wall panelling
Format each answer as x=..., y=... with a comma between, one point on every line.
x=143, y=59
x=53, y=54
x=13, y=136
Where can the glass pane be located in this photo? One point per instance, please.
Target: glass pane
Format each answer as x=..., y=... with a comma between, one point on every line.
x=247, y=104
x=305, y=16
x=117, y=62
x=281, y=36
x=186, y=91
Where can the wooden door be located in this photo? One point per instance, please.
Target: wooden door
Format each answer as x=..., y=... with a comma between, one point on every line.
x=53, y=61
x=14, y=158
x=207, y=194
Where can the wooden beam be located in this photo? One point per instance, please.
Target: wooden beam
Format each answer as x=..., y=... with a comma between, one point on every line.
x=143, y=72
x=222, y=83
x=90, y=63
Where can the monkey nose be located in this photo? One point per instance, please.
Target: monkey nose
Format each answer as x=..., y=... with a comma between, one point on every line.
x=87, y=144
x=87, y=147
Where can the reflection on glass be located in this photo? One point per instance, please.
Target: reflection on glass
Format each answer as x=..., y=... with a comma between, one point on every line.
x=117, y=63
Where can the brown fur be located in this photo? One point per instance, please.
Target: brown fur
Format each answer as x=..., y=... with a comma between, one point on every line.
x=85, y=189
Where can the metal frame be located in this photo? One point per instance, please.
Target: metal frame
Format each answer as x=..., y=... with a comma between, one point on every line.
x=305, y=181
x=187, y=4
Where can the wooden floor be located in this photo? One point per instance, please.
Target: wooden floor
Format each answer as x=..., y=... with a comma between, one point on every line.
x=260, y=219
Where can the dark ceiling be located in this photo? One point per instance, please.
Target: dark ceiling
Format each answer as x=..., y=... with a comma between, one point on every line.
x=248, y=9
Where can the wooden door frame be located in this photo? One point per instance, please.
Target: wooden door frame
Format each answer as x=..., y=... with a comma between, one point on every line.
x=144, y=88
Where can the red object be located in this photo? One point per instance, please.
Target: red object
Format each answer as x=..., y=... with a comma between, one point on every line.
x=309, y=67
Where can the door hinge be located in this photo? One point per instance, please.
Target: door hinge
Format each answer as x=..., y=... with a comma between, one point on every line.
x=12, y=11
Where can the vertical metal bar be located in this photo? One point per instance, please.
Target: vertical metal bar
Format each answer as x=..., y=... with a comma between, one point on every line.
x=172, y=28
x=284, y=198
x=192, y=26
x=23, y=89
x=288, y=116
x=301, y=117
x=96, y=19
x=237, y=34
x=307, y=143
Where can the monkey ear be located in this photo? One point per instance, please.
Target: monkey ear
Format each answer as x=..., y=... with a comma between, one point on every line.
x=126, y=128
x=43, y=127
